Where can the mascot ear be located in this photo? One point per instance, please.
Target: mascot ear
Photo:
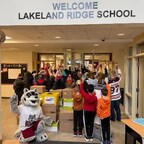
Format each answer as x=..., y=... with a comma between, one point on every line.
x=25, y=90
x=35, y=90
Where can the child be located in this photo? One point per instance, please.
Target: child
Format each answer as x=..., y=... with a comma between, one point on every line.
x=90, y=102
x=103, y=112
x=78, y=111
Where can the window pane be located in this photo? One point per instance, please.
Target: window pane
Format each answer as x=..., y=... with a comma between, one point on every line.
x=140, y=48
x=130, y=52
x=102, y=57
x=88, y=57
x=59, y=60
x=47, y=57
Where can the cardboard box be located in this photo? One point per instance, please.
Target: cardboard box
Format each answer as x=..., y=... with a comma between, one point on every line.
x=67, y=93
x=66, y=126
x=66, y=115
x=67, y=103
x=50, y=108
x=50, y=98
x=53, y=128
x=54, y=116
x=41, y=89
x=57, y=91
x=61, y=102
x=66, y=121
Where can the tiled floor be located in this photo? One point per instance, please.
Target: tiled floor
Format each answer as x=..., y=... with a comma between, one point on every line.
x=9, y=126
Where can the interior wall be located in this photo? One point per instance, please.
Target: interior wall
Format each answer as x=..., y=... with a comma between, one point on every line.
x=14, y=57
x=141, y=88
x=119, y=57
x=34, y=61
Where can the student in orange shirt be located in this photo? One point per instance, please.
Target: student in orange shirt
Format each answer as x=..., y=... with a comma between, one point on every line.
x=78, y=111
x=103, y=112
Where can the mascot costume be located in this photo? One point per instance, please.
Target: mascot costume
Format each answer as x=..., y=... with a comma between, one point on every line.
x=31, y=119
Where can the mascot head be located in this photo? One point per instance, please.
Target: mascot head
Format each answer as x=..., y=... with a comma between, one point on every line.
x=30, y=97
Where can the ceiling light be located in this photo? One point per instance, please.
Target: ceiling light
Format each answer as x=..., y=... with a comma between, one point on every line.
x=8, y=38
x=96, y=45
x=57, y=37
x=10, y=49
x=36, y=45
x=68, y=49
x=121, y=34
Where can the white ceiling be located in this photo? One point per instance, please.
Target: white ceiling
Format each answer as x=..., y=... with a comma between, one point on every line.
x=78, y=37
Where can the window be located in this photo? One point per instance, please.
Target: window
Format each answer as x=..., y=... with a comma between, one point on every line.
x=53, y=60
x=140, y=48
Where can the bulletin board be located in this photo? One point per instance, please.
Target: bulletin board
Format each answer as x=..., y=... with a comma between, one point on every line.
x=9, y=72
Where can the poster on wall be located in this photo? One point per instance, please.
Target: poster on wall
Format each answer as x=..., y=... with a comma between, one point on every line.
x=9, y=72
x=13, y=73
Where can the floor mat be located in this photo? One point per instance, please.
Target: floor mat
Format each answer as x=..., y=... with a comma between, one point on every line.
x=60, y=142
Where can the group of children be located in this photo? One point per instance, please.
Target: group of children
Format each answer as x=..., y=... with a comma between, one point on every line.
x=87, y=106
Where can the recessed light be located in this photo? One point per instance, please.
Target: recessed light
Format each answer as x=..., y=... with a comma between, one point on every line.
x=8, y=38
x=96, y=45
x=121, y=34
x=68, y=49
x=57, y=37
x=36, y=45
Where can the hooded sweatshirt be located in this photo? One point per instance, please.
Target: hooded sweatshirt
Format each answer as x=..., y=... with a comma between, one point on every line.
x=103, y=107
x=90, y=101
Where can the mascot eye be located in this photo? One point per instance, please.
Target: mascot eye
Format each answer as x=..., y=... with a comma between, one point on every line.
x=28, y=95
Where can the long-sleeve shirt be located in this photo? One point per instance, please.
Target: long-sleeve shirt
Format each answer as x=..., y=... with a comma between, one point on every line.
x=77, y=101
x=90, y=101
x=103, y=107
x=115, y=88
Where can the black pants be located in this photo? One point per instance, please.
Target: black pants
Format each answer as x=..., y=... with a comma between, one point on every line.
x=89, y=122
x=78, y=121
x=105, y=123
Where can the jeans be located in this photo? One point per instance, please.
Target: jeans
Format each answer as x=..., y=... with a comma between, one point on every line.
x=115, y=110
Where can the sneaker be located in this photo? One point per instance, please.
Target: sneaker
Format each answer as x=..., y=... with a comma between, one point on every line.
x=91, y=139
x=80, y=134
x=109, y=142
x=75, y=134
x=103, y=142
x=86, y=138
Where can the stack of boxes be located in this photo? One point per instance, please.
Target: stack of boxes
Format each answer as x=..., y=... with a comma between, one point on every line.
x=66, y=121
x=67, y=99
x=50, y=108
x=60, y=91
x=52, y=102
x=66, y=113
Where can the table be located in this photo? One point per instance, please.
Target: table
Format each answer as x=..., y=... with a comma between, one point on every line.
x=135, y=130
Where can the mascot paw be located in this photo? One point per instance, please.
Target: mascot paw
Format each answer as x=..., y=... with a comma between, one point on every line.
x=17, y=133
x=25, y=140
x=48, y=121
x=41, y=137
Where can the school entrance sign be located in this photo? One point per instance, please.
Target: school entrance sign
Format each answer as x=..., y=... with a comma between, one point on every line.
x=70, y=12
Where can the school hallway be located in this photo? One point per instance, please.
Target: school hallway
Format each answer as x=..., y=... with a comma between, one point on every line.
x=9, y=126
